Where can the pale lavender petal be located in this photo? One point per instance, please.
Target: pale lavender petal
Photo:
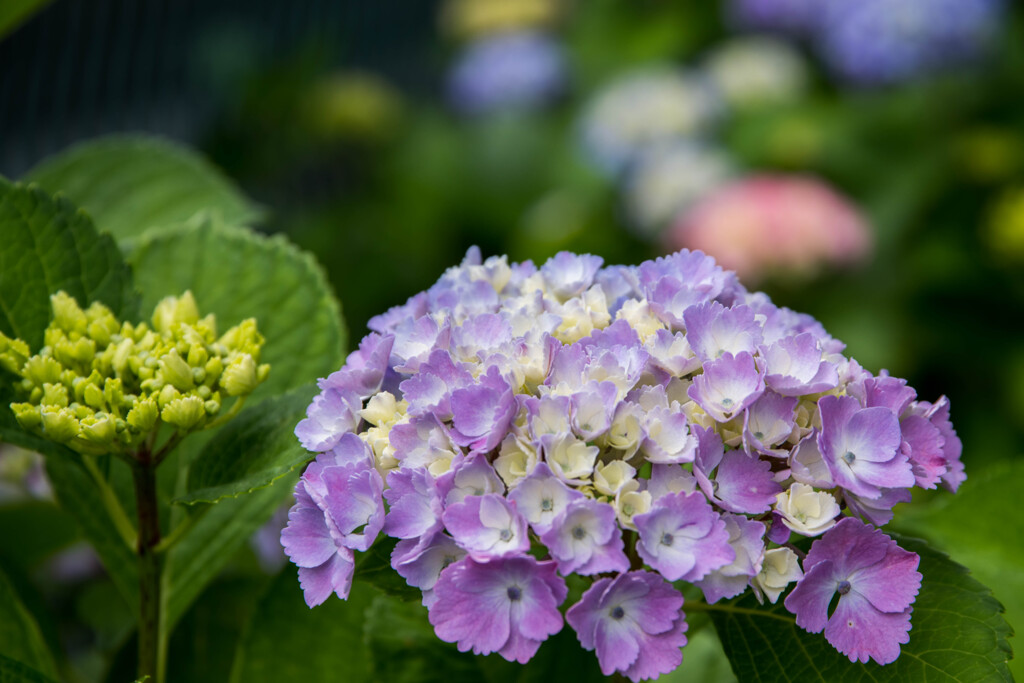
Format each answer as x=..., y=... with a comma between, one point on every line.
x=728, y=385
x=682, y=537
x=541, y=497
x=487, y=527
x=713, y=330
x=334, y=576
x=414, y=503
x=585, y=539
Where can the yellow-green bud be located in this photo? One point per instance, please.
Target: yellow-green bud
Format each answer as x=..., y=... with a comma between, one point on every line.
x=122, y=353
x=42, y=369
x=70, y=352
x=212, y=407
x=100, y=432
x=113, y=392
x=176, y=371
x=27, y=416
x=93, y=397
x=59, y=424
x=214, y=367
x=144, y=415
x=174, y=310
x=67, y=314
x=13, y=353
x=244, y=337
x=239, y=376
x=166, y=395
x=185, y=412
x=55, y=395
x=197, y=356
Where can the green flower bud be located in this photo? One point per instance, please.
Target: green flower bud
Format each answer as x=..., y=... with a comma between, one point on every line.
x=174, y=310
x=102, y=323
x=93, y=397
x=239, y=376
x=99, y=432
x=144, y=415
x=42, y=369
x=214, y=368
x=59, y=424
x=176, y=371
x=244, y=338
x=113, y=392
x=197, y=356
x=185, y=412
x=55, y=395
x=166, y=395
x=122, y=352
x=13, y=353
x=67, y=314
x=212, y=407
x=27, y=416
x=78, y=352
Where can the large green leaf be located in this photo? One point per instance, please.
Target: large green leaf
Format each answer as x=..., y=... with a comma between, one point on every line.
x=374, y=568
x=287, y=641
x=239, y=274
x=77, y=493
x=980, y=526
x=20, y=637
x=14, y=12
x=215, y=532
x=958, y=635
x=132, y=183
x=252, y=451
x=12, y=671
x=49, y=245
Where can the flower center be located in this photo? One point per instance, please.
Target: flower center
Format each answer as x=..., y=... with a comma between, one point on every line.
x=849, y=457
x=617, y=613
x=505, y=535
x=546, y=505
x=726, y=402
x=514, y=593
x=843, y=588
x=666, y=539
x=578, y=533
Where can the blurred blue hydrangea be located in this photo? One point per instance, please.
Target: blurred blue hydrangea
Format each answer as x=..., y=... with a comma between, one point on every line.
x=889, y=41
x=784, y=16
x=508, y=71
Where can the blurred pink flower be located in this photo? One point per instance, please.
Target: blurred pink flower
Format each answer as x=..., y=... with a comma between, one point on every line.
x=774, y=224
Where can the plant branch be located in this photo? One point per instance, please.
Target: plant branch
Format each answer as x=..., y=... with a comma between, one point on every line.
x=152, y=639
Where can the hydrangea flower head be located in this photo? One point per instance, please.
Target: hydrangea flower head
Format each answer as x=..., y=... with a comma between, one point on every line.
x=518, y=70
x=779, y=224
x=516, y=427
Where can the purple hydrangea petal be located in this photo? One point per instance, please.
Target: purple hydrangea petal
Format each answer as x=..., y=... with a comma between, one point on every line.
x=480, y=606
x=541, y=497
x=487, y=527
x=682, y=537
x=332, y=413
x=634, y=621
x=768, y=422
x=795, y=366
x=334, y=576
x=364, y=368
x=747, y=540
x=482, y=413
x=585, y=539
x=355, y=503
x=728, y=385
x=414, y=503
x=713, y=329
x=861, y=446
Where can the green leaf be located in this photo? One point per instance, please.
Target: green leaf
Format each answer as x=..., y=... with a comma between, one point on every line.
x=49, y=245
x=252, y=451
x=287, y=641
x=132, y=183
x=14, y=12
x=958, y=635
x=214, y=533
x=78, y=495
x=238, y=274
x=12, y=671
x=374, y=568
x=20, y=637
x=977, y=526
x=405, y=649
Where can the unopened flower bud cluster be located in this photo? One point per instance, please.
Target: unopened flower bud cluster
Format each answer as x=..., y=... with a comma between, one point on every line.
x=100, y=385
x=638, y=426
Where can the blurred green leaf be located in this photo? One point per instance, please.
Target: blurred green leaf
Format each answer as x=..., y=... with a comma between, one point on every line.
x=980, y=526
x=12, y=671
x=20, y=637
x=252, y=451
x=78, y=495
x=238, y=274
x=959, y=634
x=49, y=245
x=287, y=641
x=405, y=649
x=14, y=12
x=374, y=567
x=213, y=534
x=34, y=530
x=132, y=183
